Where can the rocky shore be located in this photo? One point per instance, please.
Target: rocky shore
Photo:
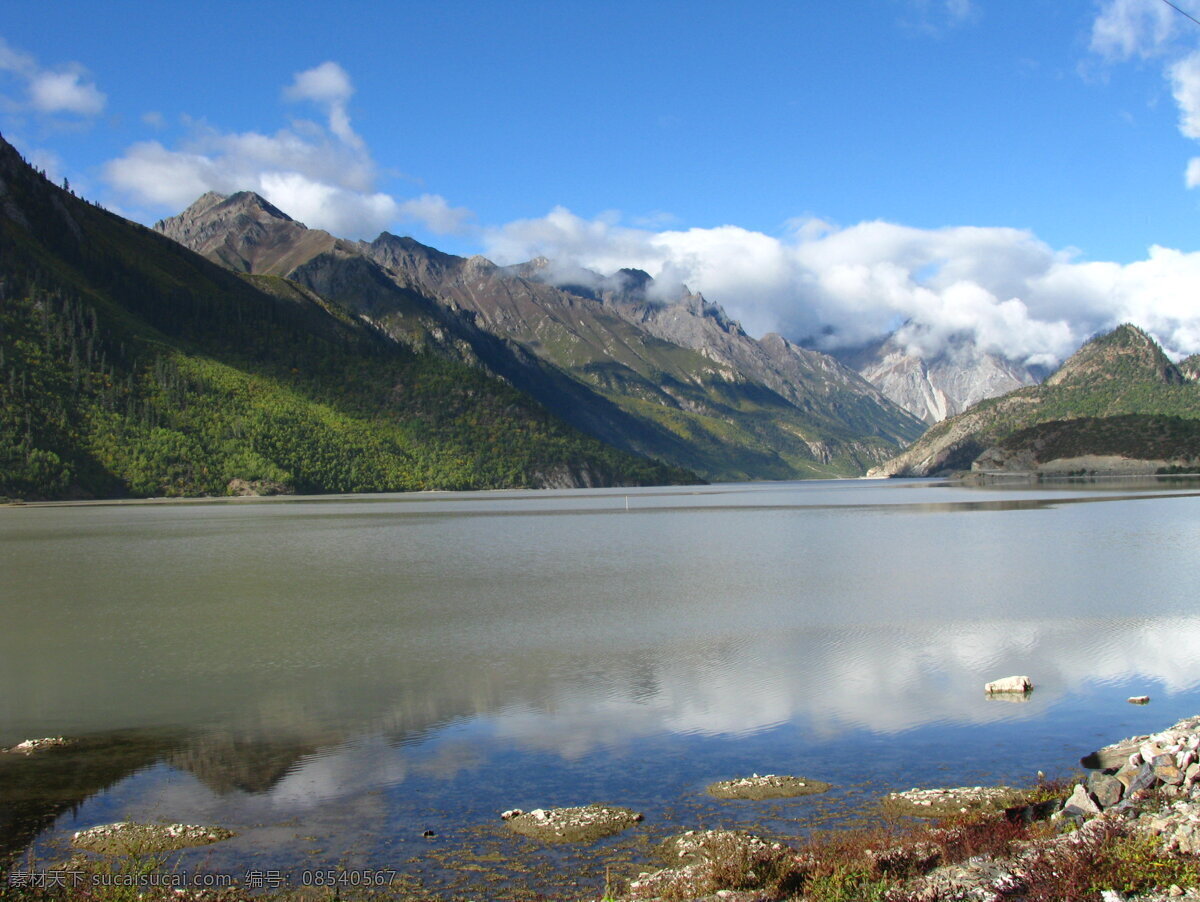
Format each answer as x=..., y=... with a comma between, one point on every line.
x=1128, y=829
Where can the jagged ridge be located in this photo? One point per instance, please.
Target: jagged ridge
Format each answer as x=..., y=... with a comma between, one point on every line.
x=678, y=380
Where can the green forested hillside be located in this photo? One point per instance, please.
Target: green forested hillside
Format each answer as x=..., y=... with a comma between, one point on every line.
x=1133, y=436
x=131, y=366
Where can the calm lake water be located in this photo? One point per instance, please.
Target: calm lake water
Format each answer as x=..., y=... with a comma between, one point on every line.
x=331, y=677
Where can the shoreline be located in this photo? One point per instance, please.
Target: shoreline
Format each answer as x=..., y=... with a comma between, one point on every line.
x=1138, y=805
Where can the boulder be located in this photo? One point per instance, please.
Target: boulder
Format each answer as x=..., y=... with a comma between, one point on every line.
x=1106, y=789
x=1143, y=779
x=1080, y=803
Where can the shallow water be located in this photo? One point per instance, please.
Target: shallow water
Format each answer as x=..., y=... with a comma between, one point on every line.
x=333, y=676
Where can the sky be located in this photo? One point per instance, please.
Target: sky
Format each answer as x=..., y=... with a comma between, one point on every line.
x=1022, y=173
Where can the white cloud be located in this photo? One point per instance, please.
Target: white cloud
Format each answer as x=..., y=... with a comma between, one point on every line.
x=327, y=83
x=321, y=174
x=1191, y=176
x=934, y=17
x=1004, y=288
x=64, y=89
x=433, y=211
x=14, y=60
x=1128, y=28
x=328, y=86
x=1185, y=85
x=65, y=92
x=155, y=175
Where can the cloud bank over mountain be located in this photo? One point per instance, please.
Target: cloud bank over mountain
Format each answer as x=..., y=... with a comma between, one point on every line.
x=839, y=287
x=1003, y=288
x=320, y=173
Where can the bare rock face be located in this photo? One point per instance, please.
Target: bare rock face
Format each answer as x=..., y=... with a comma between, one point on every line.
x=942, y=385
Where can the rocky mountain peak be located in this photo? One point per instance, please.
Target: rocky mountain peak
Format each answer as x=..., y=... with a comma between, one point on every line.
x=204, y=203
x=1126, y=353
x=403, y=254
x=479, y=265
x=246, y=232
x=214, y=211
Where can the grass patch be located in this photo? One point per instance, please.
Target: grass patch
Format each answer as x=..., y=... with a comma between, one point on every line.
x=1107, y=856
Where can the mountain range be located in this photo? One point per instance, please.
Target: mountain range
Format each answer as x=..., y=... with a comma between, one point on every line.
x=131, y=366
x=660, y=373
x=1120, y=374
x=234, y=350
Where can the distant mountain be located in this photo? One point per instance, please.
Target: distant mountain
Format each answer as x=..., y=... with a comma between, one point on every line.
x=1190, y=367
x=679, y=381
x=130, y=365
x=938, y=386
x=1119, y=373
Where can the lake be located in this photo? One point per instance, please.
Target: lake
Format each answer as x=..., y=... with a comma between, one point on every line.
x=332, y=677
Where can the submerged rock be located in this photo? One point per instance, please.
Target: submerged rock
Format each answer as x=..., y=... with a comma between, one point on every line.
x=583, y=824
x=769, y=786
x=30, y=746
x=127, y=838
x=943, y=802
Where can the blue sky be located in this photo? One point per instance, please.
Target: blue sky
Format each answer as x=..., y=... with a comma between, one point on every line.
x=815, y=167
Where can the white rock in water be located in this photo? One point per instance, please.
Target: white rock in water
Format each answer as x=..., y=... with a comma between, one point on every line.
x=1009, y=684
